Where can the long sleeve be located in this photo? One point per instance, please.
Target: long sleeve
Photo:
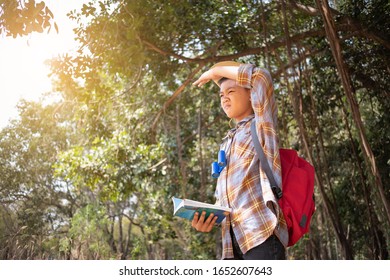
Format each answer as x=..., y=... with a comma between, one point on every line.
x=259, y=81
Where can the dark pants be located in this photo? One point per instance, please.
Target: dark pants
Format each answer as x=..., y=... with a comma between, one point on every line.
x=271, y=249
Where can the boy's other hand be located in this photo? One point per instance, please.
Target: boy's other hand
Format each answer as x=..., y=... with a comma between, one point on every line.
x=201, y=225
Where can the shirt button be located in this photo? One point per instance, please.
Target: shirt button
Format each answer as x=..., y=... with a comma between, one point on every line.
x=233, y=224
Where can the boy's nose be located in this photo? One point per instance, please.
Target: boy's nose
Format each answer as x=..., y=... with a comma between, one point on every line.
x=224, y=98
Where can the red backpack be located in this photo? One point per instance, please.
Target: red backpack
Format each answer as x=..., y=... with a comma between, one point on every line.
x=297, y=198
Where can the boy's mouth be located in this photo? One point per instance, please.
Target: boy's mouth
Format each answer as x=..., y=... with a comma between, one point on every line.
x=226, y=106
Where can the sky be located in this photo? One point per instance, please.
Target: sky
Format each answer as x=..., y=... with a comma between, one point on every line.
x=23, y=72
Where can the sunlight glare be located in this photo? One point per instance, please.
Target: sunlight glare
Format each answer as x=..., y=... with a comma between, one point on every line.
x=23, y=71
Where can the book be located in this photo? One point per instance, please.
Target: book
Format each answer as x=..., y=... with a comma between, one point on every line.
x=186, y=208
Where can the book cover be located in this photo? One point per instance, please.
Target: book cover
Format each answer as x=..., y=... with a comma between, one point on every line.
x=186, y=208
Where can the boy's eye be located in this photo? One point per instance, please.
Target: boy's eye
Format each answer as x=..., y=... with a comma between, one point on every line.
x=226, y=93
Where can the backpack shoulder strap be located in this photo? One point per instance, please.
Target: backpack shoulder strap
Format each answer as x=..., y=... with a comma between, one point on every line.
x=263, y=161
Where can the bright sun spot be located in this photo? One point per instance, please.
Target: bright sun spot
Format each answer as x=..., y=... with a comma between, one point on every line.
x=23, y=72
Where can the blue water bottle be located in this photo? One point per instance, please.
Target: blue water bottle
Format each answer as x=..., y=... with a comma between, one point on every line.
x=222, y=158
x=218, y=166
x=215, y=170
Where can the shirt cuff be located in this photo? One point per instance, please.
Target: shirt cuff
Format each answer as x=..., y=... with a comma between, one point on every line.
x=245, y=75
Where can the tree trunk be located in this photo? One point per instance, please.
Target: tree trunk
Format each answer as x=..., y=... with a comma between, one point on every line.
x=110, y=233
x=265, y=34
x=379, y=248
x=182, y=163
x=202, y=188
x=298, y=112
x=120, y=237
x=350, y=93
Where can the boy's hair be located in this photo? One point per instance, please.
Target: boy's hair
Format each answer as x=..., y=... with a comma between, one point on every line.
x=220, y=81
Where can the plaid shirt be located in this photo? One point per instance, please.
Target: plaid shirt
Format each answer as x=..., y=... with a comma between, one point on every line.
x=242, y=185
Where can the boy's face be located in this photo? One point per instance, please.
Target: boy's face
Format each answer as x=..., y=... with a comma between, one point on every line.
x=235, y=100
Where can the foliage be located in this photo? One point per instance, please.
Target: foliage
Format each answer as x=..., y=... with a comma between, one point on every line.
x=34, y=203
x=20, y=18
x=87, y=233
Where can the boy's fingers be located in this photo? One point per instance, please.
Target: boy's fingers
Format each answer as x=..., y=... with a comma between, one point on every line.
x=202, y=224
x=208, y=225
x=195, y=219
x=212, y=223
x=200, y=82
x=210, y=218
x=202, y=216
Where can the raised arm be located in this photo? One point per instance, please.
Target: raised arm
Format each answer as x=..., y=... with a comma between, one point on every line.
x=216, y=73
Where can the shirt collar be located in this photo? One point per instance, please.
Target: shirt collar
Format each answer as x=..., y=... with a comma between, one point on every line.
x=240, y=124
x=244, y=121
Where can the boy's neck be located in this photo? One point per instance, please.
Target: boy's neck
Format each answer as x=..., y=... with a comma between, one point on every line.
x=244, y=119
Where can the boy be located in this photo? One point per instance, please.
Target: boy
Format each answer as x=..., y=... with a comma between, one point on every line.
x=255, y=229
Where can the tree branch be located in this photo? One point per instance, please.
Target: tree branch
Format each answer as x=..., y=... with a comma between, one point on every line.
x=177, y=93
x=372, y=34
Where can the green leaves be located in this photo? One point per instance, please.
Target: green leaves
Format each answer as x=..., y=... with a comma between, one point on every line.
x=24, y=17
x=87, y=232
x=113, y=167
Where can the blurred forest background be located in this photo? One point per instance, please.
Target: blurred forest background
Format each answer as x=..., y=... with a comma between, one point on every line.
x=91, y=175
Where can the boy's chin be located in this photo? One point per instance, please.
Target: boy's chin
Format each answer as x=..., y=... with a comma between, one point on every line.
x=228, y=114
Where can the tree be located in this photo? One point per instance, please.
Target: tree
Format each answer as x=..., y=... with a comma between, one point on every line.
x=35, y=206
x=140, y=134
x=214, y=31
x=20, y=18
